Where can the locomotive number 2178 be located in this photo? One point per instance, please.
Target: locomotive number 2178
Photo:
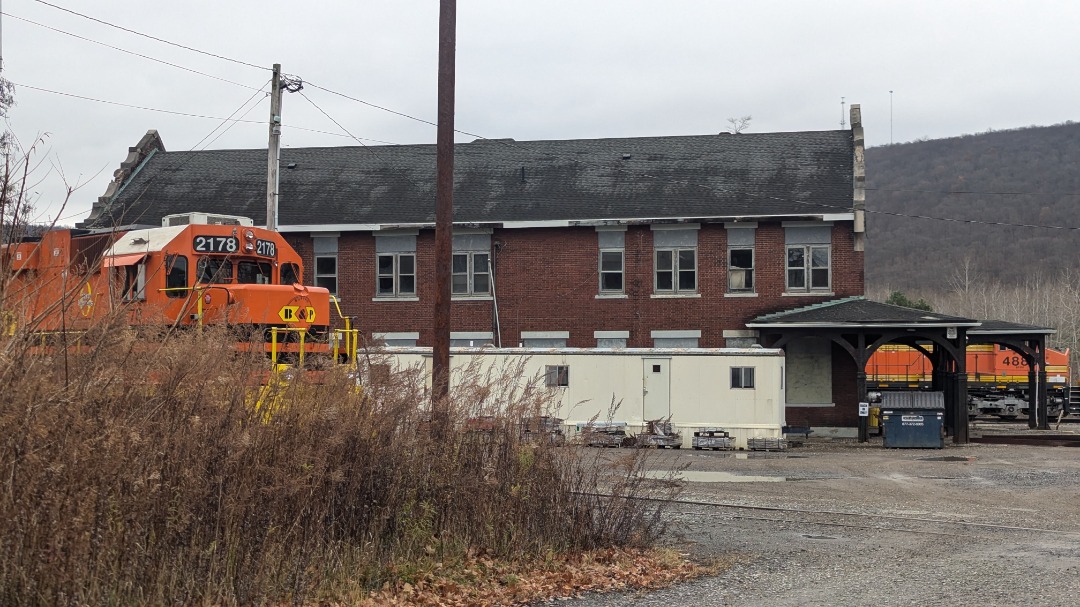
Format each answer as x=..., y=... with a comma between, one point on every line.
x=216, y=244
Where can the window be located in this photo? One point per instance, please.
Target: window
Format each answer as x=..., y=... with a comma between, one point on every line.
x=612, y=266
x=407, y=340
x=253, y=273
x=676, y=271
x=544, y=339
x=471, y=339
x=176, y=277
x=557, y=376
x=471, y=274
x=740, y=270
x=326, y=270
x=290, y=274
x=675, y=259
x=134, y=282
x=396, y=274
x=611, y=271
x=742, y=377
x=808, y=253
x=611, y=339
x=804, y=260
x=214, y=270
x=395, y=263
x=740, y=239
x=676, y=339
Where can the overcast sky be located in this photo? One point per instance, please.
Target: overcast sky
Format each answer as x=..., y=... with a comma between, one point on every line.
x=553, y=69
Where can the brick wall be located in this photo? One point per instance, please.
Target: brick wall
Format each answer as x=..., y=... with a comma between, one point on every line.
x=546, y=279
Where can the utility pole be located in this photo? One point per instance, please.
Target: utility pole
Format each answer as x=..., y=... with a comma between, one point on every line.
x=444, y=218
x=273, y=151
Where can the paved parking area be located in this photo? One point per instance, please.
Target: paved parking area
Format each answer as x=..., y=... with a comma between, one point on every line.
x=839, y=523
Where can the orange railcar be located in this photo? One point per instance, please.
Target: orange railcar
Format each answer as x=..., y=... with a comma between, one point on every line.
x=189, y=275
x=997, y=377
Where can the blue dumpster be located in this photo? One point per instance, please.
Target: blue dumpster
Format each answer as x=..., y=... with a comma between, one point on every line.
x=913, y=420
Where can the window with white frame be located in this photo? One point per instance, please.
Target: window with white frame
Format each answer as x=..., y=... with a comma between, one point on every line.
x=326, y=262
x=557, y=376
x=612, y=256
x=395, y=266
x=740, y=260
x=808, y=261
x=675, y=260
x=471, y=269
x=742, y=377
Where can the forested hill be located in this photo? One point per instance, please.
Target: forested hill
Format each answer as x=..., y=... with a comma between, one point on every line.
x=1022, y=176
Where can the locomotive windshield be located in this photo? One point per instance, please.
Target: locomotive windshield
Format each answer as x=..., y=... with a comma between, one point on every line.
x=214, y=270
x=254, y=273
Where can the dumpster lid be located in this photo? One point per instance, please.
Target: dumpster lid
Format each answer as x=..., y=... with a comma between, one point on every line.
x=914, y=399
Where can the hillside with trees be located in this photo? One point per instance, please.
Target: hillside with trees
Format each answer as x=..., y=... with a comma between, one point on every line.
x=1028, y=176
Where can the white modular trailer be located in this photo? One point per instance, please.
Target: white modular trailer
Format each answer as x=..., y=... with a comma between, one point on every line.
x=740, y=390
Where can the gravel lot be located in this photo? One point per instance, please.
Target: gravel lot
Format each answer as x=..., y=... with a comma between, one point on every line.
x=858, y=524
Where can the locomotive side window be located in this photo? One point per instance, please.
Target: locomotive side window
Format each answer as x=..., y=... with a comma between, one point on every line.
x=214, y=270
x=290, y=274
x=253, y=273
x=134, y=282
x=176, y=276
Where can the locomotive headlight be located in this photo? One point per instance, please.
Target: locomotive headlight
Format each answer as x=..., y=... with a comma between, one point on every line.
x=249, y=234
x=206, y=299
x=249, y=247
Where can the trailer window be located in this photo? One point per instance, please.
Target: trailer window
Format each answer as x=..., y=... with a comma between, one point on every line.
x=214, y=270
x=176, y=276
x=253, y=273
x=290, y=274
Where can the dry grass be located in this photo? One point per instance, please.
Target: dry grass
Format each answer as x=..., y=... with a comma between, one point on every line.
x=141, y=471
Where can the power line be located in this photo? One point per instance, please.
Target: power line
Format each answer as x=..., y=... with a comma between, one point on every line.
x=173, y=112
x=122, y=50
x=154, y=38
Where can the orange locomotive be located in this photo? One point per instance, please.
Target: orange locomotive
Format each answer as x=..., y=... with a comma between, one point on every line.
x=997, y=377
x=179, y=275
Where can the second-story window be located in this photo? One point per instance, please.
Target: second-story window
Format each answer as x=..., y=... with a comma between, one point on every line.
x=740, y=259
x=612, y=264
x=471, y=266
x=808, y=257
x=395, y=264
x=675, y=260
x=326, y=262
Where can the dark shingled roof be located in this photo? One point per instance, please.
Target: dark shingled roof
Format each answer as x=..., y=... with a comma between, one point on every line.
x=1000, y=327
x=857, y=311
x=744, y=175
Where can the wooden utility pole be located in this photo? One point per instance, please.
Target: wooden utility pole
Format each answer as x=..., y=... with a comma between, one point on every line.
x=444, y=218
x=273, y=151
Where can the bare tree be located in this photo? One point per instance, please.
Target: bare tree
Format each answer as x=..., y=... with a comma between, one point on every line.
x=738, y=125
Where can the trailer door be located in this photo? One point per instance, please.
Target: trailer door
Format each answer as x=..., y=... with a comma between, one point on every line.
x=656, y=388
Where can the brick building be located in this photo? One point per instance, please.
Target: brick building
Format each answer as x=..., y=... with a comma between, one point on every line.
x=630, y=242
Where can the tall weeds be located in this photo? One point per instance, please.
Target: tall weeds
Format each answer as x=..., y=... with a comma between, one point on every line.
x=155, y=470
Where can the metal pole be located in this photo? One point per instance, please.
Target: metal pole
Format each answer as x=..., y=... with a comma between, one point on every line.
x=273, y=151
x=890, y=118
x=444, y=217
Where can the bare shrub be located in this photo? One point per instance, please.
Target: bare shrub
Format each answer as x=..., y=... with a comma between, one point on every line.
x=159, y=469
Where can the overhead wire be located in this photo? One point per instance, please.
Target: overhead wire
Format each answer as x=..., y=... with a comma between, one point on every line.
x=123, y=50
x=154, y=38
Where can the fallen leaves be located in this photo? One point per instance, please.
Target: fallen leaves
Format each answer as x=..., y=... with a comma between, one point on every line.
x=492, y=582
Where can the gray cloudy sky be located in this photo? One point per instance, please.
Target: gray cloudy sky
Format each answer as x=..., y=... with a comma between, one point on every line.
x=553, y=69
